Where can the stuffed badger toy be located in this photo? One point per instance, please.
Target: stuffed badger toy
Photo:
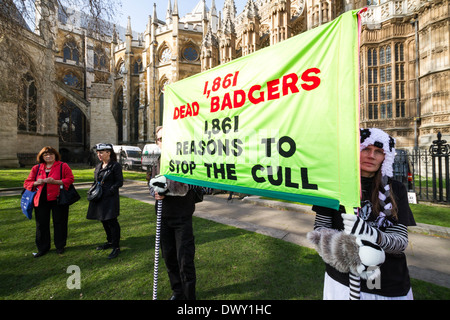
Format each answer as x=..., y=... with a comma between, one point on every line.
x=347, y=253
x=166, y=187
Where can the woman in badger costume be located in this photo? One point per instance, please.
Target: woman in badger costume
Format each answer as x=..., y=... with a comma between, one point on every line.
x=364, y=252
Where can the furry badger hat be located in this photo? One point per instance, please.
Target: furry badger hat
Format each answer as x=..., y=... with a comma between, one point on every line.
x=380, y=139
x=346, y=253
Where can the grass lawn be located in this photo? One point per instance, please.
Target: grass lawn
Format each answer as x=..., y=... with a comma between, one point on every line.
x=232, y=264
x=11, y=178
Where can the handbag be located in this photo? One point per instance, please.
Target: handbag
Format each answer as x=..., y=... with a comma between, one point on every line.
x=27, y=200
x=26, y=203
x=67, y=197
x=95, y=191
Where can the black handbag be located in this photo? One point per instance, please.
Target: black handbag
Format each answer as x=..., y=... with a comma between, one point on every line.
x=95, y=191
x=67, y=197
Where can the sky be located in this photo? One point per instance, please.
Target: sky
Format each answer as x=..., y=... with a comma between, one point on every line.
x=139, y=10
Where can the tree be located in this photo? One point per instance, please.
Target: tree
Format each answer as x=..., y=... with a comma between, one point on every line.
x=34, y=21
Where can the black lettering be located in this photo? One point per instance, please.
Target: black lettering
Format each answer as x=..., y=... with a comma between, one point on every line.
x=279, y=180
x=201, y=146
x=231, y=171
x=219, y=170
x=237, y=148
x=193, y=149
x=292, y=146
x=289, y=182
x=208, y=169
x=268, y=142
x=213, y=144
x=179, y=148
x=255, y=170
x=305, y=182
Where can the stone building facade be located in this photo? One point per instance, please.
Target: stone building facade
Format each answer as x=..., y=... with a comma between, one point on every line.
x=85, y=88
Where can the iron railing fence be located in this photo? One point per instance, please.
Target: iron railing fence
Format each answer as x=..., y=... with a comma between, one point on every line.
x=429, y=173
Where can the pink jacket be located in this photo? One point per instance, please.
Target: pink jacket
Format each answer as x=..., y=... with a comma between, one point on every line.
x=52, y=189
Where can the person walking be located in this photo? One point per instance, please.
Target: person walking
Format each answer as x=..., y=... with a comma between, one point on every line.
x=46, y=178
x=107, y=208
x=177, y=235
x=382, y=221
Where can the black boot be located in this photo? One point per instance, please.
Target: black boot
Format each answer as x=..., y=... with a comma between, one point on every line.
x=114, y=253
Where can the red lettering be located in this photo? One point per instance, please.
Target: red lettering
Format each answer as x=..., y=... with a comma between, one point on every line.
x=307, y=78
x=188, y=111
x=215, y=104
x=275, y=89
x=226, y=101
x=182, y=111
x=292, y=84
x=272, y=89
x=176, y=113
x=252, y=98
x=195, y=108
x=237, y=94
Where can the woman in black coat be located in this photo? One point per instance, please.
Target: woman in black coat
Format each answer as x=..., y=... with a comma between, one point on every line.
x=107, y=208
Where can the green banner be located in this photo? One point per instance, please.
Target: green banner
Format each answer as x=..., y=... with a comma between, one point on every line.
x=282, y=122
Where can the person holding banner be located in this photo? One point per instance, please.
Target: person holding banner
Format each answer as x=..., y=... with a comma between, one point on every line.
x=177, y=235
x=382, y=221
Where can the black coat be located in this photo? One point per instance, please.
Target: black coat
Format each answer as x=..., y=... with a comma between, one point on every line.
x=108, y=207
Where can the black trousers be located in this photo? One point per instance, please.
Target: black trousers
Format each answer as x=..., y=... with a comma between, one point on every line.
x=178, y=250
x=60, y=216
x=112, y=229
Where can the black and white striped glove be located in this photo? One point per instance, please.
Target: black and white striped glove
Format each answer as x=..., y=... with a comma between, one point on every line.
x=358, y=227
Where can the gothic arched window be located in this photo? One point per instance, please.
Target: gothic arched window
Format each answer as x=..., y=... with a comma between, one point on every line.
x=100, y=59
x=137, y=67
x=71, y=52
x=120, y=115
x=27, y=110
x=136, y=117
x=70, y=123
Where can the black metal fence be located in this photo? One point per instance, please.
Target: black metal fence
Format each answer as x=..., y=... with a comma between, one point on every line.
x=428, y=171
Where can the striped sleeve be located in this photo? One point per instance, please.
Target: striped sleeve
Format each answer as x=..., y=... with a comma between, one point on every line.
x=322, y=221
x=394, y=239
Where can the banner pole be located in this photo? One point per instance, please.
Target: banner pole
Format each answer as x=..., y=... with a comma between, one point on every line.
x=157, y=245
